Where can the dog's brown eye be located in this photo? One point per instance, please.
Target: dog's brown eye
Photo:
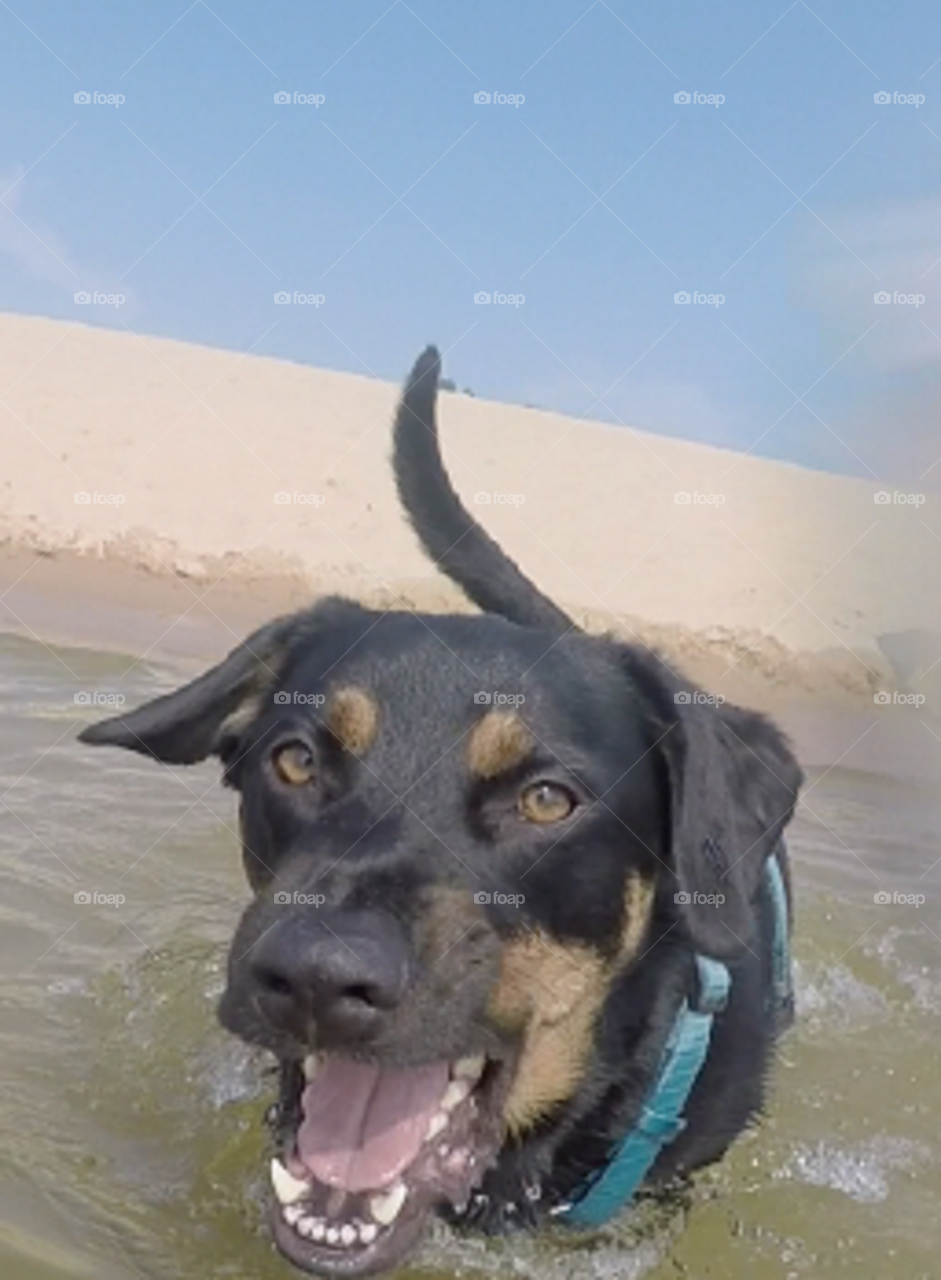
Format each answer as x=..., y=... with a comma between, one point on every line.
x=294, y=764
x=546, y=802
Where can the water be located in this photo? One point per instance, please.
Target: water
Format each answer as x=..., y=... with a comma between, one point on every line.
x=133, y=1143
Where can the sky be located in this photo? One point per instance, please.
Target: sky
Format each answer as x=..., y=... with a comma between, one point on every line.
x=742, y=154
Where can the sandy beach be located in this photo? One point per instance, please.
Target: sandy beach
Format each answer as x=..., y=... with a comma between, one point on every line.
x=160, y=499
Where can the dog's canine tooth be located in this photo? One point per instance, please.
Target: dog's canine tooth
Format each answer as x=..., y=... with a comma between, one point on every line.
x=386, y=1208
x=311, y=1066
x=455, y=1093
x=348, y=1234
x=368, y=1232
x=439, y=1122
x=469, y=1068
x=287, y=1188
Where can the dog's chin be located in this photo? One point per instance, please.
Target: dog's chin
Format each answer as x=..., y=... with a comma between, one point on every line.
x=369, y=1152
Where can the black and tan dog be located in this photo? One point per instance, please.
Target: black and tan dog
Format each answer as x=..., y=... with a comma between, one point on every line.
x=486, y=852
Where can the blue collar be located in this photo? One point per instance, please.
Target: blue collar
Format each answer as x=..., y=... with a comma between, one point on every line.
x=661, y=1119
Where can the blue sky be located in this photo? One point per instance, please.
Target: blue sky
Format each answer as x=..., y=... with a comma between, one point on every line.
x=398, y=197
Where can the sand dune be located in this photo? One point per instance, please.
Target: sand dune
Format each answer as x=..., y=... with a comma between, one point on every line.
x=769, y=570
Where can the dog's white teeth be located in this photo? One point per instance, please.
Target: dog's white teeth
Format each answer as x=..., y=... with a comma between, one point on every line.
x=348, y=1234
x=368, y=1232
x=318, y=1230
x=333, y=1235
x=307, y=1227
x=292, y=1214
x=439, y=1122
x=386, y=1208
x=455, y=1093
x=469, y=1068
x=287, y=1188
x=311, y=1066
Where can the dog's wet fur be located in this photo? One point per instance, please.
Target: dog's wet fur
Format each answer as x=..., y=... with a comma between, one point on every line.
x=521, y=881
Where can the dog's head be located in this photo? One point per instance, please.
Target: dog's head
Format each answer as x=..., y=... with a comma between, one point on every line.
x=460, y=832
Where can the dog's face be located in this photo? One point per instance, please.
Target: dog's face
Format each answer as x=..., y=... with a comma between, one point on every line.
x=458, y=832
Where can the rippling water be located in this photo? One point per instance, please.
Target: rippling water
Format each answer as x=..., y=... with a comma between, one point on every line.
x=133, y=1143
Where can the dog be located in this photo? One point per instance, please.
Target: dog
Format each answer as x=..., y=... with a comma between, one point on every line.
x=492, y=859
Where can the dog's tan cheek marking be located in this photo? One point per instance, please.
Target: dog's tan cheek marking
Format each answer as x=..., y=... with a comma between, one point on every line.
x=353, y=719
x=638, y=908
x=553, y=993
x=498, y=741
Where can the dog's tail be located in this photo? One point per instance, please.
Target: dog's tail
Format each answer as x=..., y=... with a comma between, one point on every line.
x=453, y=539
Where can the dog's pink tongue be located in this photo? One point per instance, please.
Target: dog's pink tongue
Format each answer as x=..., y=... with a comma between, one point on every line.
x=363, y=1125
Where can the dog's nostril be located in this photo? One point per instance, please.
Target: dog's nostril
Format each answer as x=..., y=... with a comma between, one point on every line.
x=362, y=993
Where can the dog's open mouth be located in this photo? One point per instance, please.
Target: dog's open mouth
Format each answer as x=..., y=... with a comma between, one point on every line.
x=371, y=1150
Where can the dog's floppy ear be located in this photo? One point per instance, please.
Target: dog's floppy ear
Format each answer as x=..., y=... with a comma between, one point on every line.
x=186, y=726
x=733, y=783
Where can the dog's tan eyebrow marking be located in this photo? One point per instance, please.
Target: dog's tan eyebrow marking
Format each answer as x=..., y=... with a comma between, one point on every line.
x=498, y=741
x=352, y=717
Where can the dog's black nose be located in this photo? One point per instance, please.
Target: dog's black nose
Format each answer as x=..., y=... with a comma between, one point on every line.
x=337, y=971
